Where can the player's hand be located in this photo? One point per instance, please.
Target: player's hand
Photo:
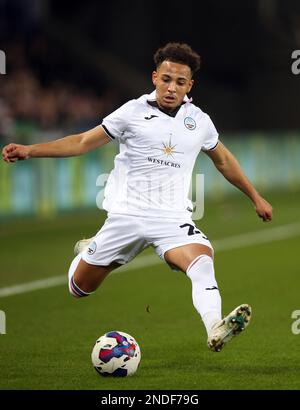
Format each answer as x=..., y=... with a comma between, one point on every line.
x=15, y=152
x=263, y=209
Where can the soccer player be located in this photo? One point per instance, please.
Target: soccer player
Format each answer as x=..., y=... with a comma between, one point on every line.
x=160, y=136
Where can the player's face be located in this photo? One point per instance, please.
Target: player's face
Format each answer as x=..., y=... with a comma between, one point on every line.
x=172, y=82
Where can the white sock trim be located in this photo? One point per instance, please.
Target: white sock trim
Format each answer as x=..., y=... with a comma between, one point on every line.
x=196, y=260
x=75, y=289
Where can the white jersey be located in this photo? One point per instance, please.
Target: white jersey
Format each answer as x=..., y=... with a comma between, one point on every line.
x=153, y=169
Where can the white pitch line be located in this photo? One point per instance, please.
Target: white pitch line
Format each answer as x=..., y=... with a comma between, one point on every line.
x=35, y=285
x=277, y=233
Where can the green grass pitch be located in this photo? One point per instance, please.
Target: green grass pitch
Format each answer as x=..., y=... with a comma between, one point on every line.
x=50, y=335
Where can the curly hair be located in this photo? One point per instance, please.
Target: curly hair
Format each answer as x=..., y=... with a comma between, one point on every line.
x=178, y=53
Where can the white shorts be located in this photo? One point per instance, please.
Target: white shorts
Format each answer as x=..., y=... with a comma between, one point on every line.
x=122, y=237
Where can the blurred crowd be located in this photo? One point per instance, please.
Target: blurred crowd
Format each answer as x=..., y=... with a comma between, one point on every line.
x=30, y=111
x=37, y=105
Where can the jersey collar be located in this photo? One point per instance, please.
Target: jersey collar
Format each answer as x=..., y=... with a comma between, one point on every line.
x=151, y=100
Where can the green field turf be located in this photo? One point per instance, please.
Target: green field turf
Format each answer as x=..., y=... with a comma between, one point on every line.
x=50, y=335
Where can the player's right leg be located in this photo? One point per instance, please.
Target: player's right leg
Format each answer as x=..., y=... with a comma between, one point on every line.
x=81, y=245
x=119, y=240
x=85, y=278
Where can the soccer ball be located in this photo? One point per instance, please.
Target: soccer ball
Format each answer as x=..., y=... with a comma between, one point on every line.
x=116, y=354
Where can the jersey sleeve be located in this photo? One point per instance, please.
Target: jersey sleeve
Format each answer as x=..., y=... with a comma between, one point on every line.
x=212, y=136
x=116, y=123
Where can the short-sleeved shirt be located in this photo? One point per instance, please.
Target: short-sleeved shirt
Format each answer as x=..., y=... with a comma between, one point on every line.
x=152, y=172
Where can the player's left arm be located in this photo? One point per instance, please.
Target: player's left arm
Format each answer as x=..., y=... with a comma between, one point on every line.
x=229, y=167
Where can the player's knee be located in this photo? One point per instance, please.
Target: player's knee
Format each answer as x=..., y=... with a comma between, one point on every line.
x=201, y=269
x=200, y=261
x=75, y=289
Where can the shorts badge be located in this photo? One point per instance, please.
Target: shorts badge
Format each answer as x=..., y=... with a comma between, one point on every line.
x=92, y=248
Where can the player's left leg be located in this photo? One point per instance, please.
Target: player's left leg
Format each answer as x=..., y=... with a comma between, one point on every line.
x=196, y=260
x=232, y=325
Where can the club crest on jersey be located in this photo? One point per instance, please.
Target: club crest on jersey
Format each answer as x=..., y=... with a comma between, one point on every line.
x=92, y=248
x=190, y=123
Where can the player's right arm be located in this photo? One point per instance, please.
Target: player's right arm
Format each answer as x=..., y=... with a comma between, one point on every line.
x=69, y=146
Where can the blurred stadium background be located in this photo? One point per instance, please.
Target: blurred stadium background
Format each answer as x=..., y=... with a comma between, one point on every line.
x=67, y=66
